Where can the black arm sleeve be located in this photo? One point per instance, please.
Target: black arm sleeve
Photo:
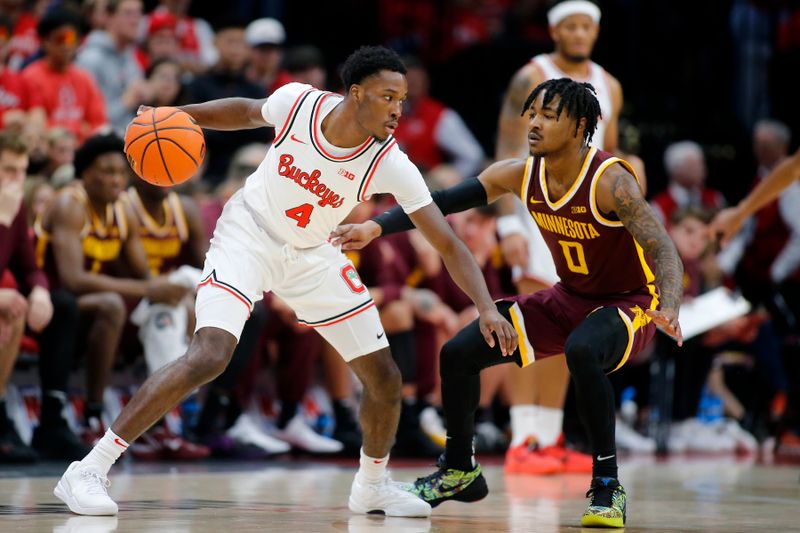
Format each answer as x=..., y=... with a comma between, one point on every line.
x=466, y=195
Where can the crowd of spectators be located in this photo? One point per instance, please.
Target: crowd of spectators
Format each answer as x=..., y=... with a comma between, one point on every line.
x=97, y=269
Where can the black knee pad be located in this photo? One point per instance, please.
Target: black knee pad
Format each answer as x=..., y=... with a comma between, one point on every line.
x=600, y=339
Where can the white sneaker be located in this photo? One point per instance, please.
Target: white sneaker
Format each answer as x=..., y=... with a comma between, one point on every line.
x=431, y=423
x=247, y=431
x=85, y=491
x=299, y=434
x=387, y=497
x=628, y=439
x=704, y=437
x=745, y=441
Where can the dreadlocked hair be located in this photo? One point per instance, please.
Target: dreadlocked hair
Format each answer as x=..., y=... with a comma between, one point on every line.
x=577, y=98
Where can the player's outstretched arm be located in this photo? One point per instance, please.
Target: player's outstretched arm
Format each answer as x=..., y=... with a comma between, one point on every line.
x=728, y=221
x=494, y=182
x=228, y=113
x=618, y=192
x=465, y=272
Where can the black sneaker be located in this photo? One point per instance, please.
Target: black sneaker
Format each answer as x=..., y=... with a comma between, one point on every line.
x=451, y=484
x=12, y=449
x=57, y=441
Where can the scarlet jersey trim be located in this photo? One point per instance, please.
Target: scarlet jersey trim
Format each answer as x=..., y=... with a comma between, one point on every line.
x=287, y=126
x=212, y=280
x=338, y=318
x=312, y=130
x=362, y=189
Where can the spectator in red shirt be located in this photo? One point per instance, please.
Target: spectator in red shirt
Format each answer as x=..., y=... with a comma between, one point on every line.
x=686, y=166
x=431, y=133
x=16, y=108
x=195, y=36
x=16, y=309
x=24, y=40
x=69, y=95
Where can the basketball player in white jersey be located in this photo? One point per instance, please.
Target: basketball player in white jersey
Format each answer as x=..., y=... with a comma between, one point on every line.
x=330, y=152
x=537, y=393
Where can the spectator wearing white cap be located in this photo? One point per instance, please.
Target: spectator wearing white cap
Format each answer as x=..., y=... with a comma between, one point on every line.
x=266, y=37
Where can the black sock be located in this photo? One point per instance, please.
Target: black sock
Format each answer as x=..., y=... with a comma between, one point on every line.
x=404, y=352
x=604, y=464
x=288, y=411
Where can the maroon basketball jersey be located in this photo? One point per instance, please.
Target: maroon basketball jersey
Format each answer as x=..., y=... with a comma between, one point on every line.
x=594, y=255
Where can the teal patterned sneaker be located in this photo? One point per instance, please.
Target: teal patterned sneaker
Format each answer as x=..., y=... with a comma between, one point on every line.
x=451, y=484
x=607, y=505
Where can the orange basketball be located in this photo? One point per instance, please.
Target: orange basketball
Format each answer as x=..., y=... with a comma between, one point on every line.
x=164, y=146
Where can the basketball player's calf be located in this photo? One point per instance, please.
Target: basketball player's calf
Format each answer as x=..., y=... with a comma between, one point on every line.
x=208, y=355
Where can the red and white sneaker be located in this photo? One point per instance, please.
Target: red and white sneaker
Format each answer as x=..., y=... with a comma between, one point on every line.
x=527, y=458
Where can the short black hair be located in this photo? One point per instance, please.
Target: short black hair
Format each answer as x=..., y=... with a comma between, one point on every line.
x=57, y=18
x=93, y=148
x=368, y=61
x=578, y=98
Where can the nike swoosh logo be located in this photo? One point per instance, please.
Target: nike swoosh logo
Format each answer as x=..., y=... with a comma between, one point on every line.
x=295, y=139
x=533, y=201
x=380, y=334
x=601, y=458
x=117, y=441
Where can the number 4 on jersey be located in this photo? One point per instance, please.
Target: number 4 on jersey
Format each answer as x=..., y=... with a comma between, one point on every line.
x=301, y=213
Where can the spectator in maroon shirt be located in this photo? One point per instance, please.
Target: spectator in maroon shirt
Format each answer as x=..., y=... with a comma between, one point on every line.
x=33, y=308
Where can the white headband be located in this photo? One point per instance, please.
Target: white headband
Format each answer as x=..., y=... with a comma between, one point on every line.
x=573, y=7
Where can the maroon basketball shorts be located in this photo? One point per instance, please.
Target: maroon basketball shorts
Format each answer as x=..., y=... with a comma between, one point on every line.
x=545, y=319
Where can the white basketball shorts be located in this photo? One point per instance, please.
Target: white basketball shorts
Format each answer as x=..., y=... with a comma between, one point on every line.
x=320, y=284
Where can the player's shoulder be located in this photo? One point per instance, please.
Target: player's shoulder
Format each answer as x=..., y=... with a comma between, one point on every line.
x=292, y=90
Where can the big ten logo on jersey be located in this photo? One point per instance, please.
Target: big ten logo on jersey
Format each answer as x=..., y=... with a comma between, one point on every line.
x=347, y=174
x=309, y=182
x=350, y=277
x=576, y=209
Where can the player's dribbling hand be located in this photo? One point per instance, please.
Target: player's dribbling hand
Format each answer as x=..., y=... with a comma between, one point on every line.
x=725, y=225
x=667, y=320
x=491, y=321
x=355, y=236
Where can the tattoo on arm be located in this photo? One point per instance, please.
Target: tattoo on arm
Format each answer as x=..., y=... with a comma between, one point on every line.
x=518, y=92
x=641, y=222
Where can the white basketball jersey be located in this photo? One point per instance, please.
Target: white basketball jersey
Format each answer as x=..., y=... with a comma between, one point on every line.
x=306, y=186
x=597, y=77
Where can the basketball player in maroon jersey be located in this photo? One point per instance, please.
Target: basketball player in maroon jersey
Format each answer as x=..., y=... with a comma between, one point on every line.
x=600, y=232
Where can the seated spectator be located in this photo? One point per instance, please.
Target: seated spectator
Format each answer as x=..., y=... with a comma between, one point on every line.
x=431, y=133
x=265, y=37
x=164, y=85
x=39, y=194
x=304, y=64
x=108, y=55
x=195, y=36
x=24, y=38
x=69, y=95
x=61, y=146
x=84, y=241
x=160, y=41
x=686, y=167
x=16, y=104
x=226, y=79
x=32, y=306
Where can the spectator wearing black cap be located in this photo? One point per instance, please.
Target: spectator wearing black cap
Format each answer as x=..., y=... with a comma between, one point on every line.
x=85, y=240
x=226, y=79
x=68, y=94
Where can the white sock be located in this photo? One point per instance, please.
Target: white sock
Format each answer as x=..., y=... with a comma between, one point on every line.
x=549, y=428
x=371, y=469
x=106, y=452
x=524, y=422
